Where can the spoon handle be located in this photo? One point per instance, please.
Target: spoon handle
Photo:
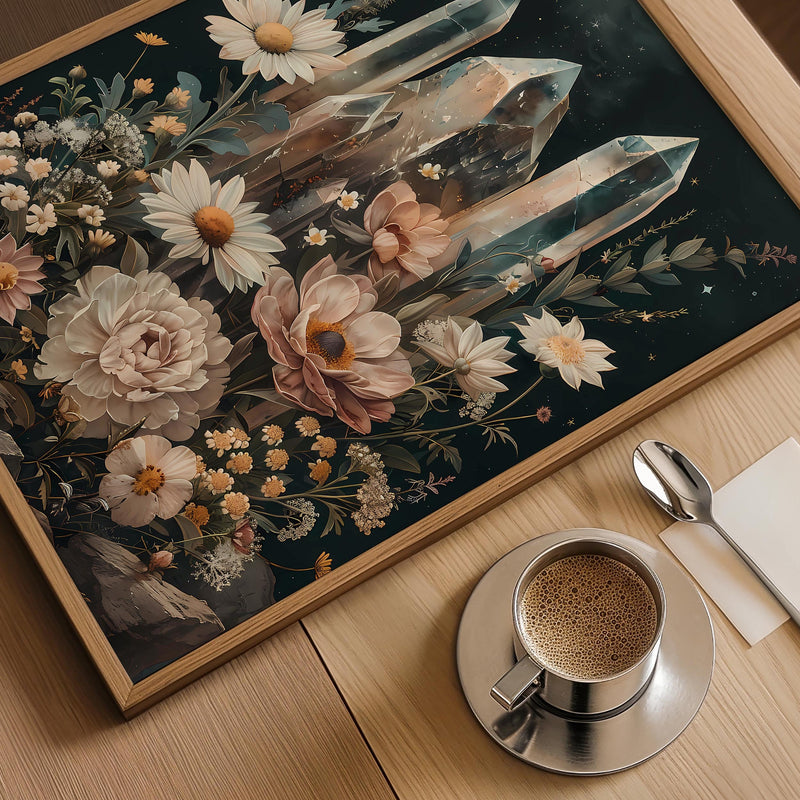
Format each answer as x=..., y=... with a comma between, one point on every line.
x=790, y=608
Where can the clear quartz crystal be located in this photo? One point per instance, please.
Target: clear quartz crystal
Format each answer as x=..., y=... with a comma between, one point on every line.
x=404, y=52
x=573, y=208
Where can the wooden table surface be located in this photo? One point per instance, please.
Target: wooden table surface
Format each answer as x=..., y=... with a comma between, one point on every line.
x=361, y=699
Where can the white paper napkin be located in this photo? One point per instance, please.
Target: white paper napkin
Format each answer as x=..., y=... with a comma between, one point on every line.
x=760, y=509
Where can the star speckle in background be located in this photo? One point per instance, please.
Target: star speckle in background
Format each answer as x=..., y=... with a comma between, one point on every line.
x=695, y=181
x=651, y=357
x=706, y=289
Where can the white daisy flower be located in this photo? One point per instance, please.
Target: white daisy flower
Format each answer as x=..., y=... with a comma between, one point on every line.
x=9, y=139
x=108, y=169
x=348, y=200
x=13, y=197
x=92, y=215
x=38, y=168
x=40, y=220
x=205, y=220
x=432, y=171
x=8, y=164
x=564, y=348
x=316, y=236
x=275, y=38
x=476, y=363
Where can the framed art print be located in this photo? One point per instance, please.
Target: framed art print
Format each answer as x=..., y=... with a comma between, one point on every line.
x=290, y=290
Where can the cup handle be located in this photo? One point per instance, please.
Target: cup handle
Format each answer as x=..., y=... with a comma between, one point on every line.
x=518, y=684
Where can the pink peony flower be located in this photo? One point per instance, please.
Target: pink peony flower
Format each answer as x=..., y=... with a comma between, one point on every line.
x=333, y=353
x=406, y=235
x=19, y=277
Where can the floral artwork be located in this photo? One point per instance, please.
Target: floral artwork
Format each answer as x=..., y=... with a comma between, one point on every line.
x=279, y=279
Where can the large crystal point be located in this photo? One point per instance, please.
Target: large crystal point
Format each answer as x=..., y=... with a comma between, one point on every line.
x=404, y=52
x=328, y=132
x=484, y=120
x=571, y=209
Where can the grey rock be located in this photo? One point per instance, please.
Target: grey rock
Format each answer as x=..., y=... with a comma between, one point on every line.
x=251, y=592
x=149, y=621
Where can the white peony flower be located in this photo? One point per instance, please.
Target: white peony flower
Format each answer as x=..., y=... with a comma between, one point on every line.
x=275, y=38
x=476, y=363
x=13, y=197
x=91, y=215
x=203, y=219
x=148, y=478
x=9, y=139
x=129, y=348
x=563, y=347
x=40, y=220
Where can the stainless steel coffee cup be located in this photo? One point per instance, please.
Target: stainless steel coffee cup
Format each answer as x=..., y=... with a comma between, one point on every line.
x=530, y=676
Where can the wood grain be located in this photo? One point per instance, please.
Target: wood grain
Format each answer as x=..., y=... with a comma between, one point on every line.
x=757, y=112
x=268, y=725
x=389, y=643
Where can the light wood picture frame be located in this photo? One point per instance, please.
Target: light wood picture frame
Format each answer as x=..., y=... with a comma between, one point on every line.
x=762, y=100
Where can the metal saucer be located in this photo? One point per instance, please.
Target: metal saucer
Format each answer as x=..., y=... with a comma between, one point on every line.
x=545, y=738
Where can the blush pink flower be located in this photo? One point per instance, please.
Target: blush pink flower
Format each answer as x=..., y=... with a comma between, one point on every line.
x=19, y=277
x=333, y=353
x=407, y=236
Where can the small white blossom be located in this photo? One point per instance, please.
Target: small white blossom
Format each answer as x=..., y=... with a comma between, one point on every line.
x=14, y=198
x=431, y=171
x=92, y=215
x=24, y=119
x=348, y=200
x=108, y=169
x=38, y=168
x=316, y=236
x=40, y=220
x=8, y=164
x=432, y=330
x=9, y=139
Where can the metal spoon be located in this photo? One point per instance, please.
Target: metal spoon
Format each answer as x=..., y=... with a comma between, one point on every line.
x=679, y=487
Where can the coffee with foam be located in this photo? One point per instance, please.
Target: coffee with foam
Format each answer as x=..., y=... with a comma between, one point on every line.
x=588, y=617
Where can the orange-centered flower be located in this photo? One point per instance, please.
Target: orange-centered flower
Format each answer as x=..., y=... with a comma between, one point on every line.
x=274, y=37
x=148, y=480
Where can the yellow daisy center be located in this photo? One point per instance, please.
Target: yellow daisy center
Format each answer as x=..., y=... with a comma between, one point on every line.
x=149, y=479
x=215, y=225
x=197, y=514
x=327, y=339
x=274, y=37
x=8, y=276
x=566, y=350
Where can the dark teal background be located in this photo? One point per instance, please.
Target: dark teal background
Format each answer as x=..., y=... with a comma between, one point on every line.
x=632, y=82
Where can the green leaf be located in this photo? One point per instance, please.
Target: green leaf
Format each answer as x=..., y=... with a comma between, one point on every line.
x=686, y=249
x=618, y=266
x=625, y=276
x=555, y=289
x=17, y=404
x=198, y=109
x=655, y=252
x=397, y=457
x=33, y=318
x=134, y=258
x=222, y=141
x=663, y=279
x=632, y=288
x=581, y=287
x=241, y=350
x=414, y=313
x=594, y=300
x=268, y=116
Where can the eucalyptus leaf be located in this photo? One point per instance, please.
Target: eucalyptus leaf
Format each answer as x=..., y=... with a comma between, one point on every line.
x=685, y=249
x=396, y=457
x=556, y=288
